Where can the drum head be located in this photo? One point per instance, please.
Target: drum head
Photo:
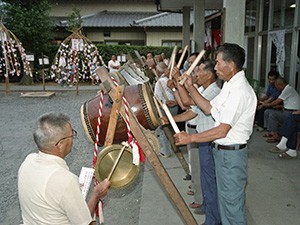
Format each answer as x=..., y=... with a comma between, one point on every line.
x=125, y=172
x=150, y=107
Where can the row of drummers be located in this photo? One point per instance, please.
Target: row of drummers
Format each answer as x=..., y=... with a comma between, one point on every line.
x=138, y=91
x=141, y=85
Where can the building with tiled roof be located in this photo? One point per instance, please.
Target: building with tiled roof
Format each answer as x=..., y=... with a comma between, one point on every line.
x=124, y=22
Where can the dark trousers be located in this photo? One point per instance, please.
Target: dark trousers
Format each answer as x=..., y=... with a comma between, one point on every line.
x=259, y=117
x=290, y=129
x=208, y=185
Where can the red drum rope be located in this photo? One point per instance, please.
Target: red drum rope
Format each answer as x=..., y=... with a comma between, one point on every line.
x=137, y=153
x=99, y=206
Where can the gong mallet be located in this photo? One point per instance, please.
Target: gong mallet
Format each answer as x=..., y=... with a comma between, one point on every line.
x=125, y=145
x=192, y=67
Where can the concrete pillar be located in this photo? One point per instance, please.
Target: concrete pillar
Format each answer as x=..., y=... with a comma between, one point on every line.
x=199, y=25
x=186, y=28
x=234, y=21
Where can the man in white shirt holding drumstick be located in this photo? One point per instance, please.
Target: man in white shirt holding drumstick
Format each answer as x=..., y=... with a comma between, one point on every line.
x=233, y=111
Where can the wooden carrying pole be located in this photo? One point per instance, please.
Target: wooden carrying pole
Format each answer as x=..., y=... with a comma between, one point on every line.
x=159, y=169
x=113, y=119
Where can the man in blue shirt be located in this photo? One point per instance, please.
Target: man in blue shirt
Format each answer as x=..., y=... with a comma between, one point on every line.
x=271, y=94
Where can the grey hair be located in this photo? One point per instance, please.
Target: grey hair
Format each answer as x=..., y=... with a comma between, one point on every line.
x=210, y=66
x=50, y=126
x=233, y=52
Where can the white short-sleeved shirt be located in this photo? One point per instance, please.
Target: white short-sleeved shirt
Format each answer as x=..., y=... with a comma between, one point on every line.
x=49, y=193
x=290, y=98
x=161, y=89
x=235, y=105
x=111, y=64
x=203, y=121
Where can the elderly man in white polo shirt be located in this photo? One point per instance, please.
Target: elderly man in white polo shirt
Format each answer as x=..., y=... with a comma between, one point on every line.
x=48, y=192
x=233, y=111
x=165, y=95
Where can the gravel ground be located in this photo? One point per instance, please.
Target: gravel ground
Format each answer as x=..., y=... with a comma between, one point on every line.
x=17, y=119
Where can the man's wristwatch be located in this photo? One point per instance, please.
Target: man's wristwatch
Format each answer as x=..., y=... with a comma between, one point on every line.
x=174, y=89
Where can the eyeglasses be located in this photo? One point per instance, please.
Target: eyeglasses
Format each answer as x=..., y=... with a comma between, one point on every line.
x=74, y=134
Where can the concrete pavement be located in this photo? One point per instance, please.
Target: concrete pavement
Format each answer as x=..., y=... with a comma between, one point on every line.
x=273, y=190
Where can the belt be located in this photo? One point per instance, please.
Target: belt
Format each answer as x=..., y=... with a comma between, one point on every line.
x=191, y=126
x=228, y=147
x=289, y=109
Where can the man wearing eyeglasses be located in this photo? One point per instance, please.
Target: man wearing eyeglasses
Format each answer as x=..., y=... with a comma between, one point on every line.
x=48, y=192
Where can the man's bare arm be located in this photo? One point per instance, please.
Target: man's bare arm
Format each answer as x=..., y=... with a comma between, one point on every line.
x=220, y=131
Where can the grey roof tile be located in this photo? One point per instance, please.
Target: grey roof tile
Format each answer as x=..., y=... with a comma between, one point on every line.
x=135, y=19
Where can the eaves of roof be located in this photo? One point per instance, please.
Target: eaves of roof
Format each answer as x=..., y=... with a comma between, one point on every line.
x=134, y=19
x=110, y=19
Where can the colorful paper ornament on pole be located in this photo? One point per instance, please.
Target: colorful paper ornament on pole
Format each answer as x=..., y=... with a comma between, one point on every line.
x=76, y=55
x=12, y=55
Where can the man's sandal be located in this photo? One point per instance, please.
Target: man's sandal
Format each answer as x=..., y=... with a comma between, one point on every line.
x=277, y=150
x=286, y=156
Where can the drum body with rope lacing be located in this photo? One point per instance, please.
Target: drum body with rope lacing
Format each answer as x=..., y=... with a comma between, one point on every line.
x=140, y=100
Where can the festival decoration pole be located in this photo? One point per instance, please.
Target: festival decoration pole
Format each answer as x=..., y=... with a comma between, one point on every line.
x=12, y=50
x=43, y=72
x=77, y=57
x=3, y=37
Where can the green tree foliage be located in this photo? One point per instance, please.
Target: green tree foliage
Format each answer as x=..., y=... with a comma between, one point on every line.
x=74, y=21
x=29, y=21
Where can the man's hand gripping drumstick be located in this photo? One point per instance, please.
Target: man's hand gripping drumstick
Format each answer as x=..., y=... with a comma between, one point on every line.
x=192, y=67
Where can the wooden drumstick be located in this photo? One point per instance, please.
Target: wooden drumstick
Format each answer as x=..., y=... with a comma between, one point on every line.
x=192, y=67
x=182, y=57
x=172, y=61
x=157, y=107
x=170, y=117
x=125, y=145
x=171, y=58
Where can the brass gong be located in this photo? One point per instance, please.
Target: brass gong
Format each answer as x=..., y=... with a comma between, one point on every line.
x=124, y=172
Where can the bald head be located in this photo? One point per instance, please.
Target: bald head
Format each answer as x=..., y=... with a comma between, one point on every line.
x=280, y=83
x=161, y=68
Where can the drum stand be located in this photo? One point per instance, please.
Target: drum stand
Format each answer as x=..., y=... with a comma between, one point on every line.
x=115, y=94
